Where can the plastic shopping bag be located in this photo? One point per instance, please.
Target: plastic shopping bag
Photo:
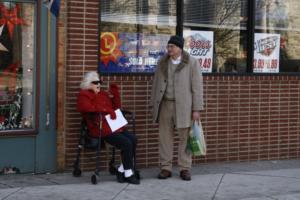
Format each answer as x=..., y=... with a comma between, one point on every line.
x=196, y=141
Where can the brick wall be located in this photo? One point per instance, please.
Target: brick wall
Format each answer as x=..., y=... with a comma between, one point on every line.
x=246, y=117
x=252, y=117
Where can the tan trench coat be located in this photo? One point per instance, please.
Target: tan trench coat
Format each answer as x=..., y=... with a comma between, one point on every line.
x=188, y=86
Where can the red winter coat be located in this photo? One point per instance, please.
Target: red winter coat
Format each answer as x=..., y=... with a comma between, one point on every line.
x=90, y=105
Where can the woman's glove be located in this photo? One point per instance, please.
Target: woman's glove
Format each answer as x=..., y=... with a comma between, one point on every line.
x=112, y=114
x=113, y=89
x=105, y=110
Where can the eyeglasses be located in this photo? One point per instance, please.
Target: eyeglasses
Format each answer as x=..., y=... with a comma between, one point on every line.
x=96, y=82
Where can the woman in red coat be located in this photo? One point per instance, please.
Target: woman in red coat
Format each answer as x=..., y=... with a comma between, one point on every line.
x=92, y=101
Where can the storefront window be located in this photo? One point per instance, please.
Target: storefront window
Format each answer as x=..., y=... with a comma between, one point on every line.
x=226, y=20
x=277, y=30
x=17, y=63
x=134, y=34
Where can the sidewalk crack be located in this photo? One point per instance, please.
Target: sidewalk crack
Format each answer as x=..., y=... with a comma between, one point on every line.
x=12, y=193
x=50, y=181
x=9, y=186
x=274, y=176
x=120, y=192
x=215, y=193
x=271, y=197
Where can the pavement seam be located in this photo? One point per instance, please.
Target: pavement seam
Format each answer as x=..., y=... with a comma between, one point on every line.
x=120, y=191
x=50, y=181
x=271, y=197
x=9, y=186
x=265, y=175
x=14, y=192
x=215, y=193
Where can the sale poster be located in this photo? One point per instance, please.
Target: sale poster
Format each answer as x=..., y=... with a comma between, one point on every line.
x=199, y=44
x=266, y=53
x=130, y=52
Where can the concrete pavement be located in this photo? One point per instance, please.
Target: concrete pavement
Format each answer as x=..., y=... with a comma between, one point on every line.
x=264, y=180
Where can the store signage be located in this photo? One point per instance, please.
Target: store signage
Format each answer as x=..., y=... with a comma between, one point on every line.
x=266, y=53
x=200, y=45
x=130, y=52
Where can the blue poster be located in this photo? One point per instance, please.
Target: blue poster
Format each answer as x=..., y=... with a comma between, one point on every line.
x=130, y=52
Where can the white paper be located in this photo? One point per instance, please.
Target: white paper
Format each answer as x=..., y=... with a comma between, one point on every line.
x=117, y=123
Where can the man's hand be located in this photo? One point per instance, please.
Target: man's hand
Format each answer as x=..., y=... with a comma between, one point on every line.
x=196, y=115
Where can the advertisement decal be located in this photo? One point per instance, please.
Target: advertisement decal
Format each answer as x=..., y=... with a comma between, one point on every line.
x=199, y=44
x=266, y=53
x=130, y=52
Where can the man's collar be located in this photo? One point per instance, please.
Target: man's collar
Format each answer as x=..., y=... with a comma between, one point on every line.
x=177, y=60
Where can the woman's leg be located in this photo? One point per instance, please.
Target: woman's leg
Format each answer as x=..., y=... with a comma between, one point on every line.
x=125, y=144
x=132, y=138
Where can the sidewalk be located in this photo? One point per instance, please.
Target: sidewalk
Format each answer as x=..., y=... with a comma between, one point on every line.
x=264, y=180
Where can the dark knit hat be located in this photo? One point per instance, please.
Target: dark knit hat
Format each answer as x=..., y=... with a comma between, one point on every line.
x=177, y=40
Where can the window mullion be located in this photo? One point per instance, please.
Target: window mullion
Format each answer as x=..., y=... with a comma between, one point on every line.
x=250, y=40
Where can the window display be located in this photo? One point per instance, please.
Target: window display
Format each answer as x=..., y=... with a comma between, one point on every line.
x=17, y=63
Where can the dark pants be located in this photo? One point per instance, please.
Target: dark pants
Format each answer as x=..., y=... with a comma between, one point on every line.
x=126, y=142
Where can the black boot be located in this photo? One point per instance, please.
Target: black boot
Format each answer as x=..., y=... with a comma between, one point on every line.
x=120, y=177
x=132, y=180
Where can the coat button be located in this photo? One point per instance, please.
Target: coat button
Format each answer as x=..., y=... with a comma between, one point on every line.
x=161, y=91
x=165, y=81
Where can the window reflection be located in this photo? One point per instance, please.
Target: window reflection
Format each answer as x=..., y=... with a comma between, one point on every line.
x=134, y=34
x=281, y=17
x=228, y=21
x=147, y=16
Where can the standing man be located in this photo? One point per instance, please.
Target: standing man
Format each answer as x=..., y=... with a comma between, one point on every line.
x=177, y=98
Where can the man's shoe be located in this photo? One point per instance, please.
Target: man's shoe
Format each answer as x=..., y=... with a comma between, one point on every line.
x=120, y=177
x=132, y=180
x=164, y=174
x=185, y=175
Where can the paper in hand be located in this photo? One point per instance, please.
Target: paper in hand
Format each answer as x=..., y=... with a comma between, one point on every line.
x=117, y=123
